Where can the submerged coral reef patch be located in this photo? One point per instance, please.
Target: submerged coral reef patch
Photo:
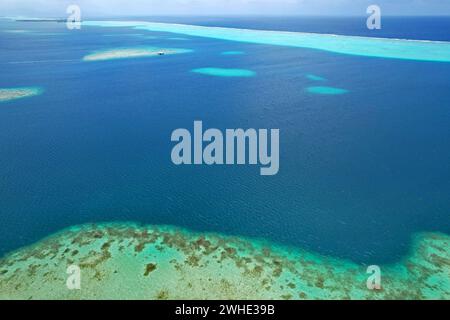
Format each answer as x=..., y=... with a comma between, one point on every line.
x=232, y=53
x=8, y=94
x=326, y=90
x=225, y=72
x=313, y=77
x=128, y=261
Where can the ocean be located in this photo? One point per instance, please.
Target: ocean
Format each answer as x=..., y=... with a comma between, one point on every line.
x=360, y=172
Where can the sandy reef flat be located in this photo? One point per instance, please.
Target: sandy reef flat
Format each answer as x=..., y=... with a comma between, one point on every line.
x=130, y=261
x=8, y=94
x=127, y=53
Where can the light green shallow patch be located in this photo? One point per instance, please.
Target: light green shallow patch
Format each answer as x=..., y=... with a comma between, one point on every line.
x=225, y=72
x=128, y=53
x=8, y=94
x=326, y=90
x=362, y=46
x=128, y=261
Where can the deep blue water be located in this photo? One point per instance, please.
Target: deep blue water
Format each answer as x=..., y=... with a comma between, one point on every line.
x=360, y=173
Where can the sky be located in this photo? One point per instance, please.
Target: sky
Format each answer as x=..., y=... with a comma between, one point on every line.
x=105, y=8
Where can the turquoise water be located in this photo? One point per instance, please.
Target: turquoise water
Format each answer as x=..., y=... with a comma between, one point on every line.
x=326, y=90
x=222, y=72
x=360, y=172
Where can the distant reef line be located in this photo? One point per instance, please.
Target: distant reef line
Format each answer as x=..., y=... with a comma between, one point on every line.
x=419, y=50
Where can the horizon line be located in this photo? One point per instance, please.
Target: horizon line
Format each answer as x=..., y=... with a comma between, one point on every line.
x=229, y=15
